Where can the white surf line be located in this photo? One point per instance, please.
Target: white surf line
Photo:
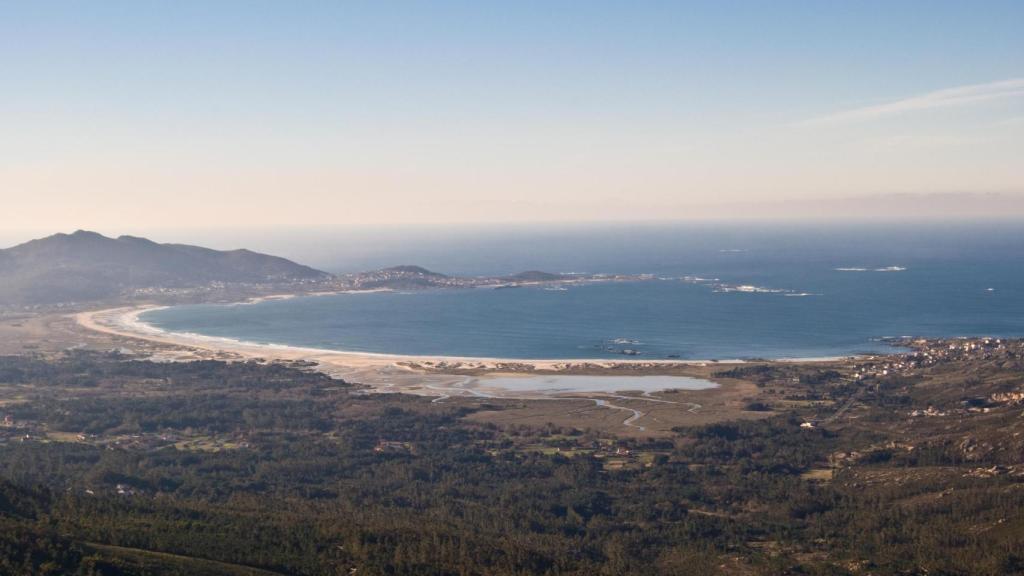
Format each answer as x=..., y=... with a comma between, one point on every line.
x=125, y=321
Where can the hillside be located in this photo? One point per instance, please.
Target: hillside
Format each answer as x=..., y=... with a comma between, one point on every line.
x=897, y=465
x=87, y=266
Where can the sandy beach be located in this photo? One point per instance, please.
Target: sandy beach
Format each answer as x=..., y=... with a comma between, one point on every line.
x=125, y=322
x=423, y=375
x=636, y=396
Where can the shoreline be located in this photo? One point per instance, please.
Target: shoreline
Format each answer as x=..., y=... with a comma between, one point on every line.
x=448, y=377
x=125, y=322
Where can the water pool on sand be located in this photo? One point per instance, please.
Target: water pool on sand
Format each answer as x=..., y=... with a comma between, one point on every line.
x=556, y=384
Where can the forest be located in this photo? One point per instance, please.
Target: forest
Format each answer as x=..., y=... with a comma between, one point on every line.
x=115, y=466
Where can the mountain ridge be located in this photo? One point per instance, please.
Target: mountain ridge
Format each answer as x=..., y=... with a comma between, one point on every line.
x=85, y=266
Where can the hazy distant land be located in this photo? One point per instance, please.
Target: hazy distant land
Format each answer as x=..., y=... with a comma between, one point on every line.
x=77, y=269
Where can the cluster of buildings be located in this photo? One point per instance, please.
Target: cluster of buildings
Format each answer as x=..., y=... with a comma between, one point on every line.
x=415, y=277
x=12, y=430
x=928, y=352
x=932, y=352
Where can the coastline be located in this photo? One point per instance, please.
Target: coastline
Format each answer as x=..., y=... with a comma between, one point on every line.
x=445, y=378
x=125, y=322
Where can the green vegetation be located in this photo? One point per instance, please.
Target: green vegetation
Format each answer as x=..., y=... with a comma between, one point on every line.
x=111, y=466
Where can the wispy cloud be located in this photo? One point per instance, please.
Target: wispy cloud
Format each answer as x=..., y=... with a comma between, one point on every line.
x=946, y=98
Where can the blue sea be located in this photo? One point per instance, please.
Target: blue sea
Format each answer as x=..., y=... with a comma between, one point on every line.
x=810, y=291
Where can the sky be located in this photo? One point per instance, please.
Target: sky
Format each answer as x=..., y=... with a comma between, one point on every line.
x=141, y=115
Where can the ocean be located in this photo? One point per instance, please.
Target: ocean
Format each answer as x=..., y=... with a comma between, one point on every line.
x=809, y=291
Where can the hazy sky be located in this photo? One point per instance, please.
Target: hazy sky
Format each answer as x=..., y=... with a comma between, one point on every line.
x=129, y=115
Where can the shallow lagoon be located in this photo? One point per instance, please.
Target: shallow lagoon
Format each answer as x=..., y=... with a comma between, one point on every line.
x=557, y=384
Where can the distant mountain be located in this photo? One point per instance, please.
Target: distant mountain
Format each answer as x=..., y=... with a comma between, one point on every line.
x=88, y=266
